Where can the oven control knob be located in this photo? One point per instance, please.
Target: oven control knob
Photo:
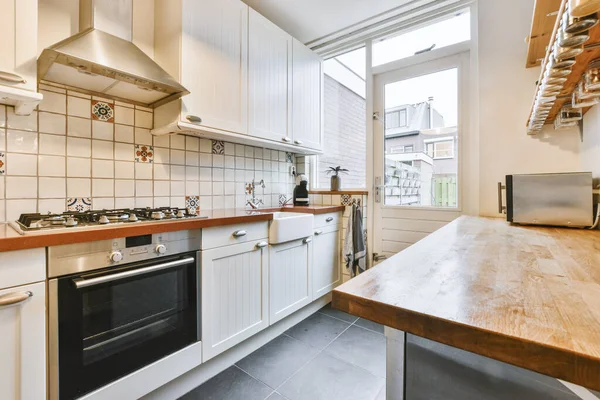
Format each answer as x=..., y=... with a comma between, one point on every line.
x=161, y=249
x=116, y=256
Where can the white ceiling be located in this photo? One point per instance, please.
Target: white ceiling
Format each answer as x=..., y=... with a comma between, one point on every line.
x=308, y=20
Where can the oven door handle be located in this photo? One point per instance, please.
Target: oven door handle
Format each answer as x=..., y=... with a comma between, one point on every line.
x=83, y=283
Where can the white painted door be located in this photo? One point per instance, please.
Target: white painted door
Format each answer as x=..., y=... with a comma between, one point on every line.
x=290, y=277
x=418, y=142
x=307, y=89
x=234, y=295
x=327, y=273
x=23, y=344
x=18, y=43
x=270, y=87
x=214, y=65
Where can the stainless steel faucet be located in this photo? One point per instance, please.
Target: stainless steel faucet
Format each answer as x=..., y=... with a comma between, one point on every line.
x=254, y=202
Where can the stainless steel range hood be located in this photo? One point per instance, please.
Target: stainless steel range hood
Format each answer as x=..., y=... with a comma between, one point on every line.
x=101, y=60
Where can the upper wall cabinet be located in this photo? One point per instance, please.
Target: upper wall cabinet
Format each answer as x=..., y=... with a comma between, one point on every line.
x=270, y=90
x=307, y=97
x=18, y=44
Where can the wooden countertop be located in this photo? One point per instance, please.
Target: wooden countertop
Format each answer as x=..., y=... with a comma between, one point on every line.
x=11, y=240
x=528, y=296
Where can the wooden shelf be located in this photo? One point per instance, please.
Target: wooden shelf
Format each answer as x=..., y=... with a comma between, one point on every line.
x=542, y=25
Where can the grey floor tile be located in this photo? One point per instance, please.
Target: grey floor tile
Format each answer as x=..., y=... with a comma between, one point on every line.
x=318, y=330
x=328, y=378
x=370, y=325
x=231, y=384
x=332, y=312
x=277, y=360
x=275, y=396
x=362, y=348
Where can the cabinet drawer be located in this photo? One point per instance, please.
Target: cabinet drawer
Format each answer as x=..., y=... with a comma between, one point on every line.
x=22, y=267
x=234, y=234
x=330, y=219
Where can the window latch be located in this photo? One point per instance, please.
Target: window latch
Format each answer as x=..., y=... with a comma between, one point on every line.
x=425, y=50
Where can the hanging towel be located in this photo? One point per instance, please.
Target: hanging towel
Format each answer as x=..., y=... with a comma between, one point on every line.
x=355, y=249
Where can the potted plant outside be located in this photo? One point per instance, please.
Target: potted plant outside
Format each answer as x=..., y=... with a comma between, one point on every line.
x=336, y=179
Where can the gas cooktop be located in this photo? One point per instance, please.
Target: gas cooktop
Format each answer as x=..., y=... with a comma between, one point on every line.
x=95, y=218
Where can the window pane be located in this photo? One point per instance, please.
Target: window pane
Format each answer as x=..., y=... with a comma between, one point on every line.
x=452, y=30
x=344, y=102
x=421, y=164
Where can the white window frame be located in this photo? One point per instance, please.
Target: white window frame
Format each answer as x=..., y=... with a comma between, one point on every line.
x=436, y=141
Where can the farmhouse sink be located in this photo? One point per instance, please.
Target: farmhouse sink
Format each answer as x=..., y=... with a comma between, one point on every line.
x=287, y=226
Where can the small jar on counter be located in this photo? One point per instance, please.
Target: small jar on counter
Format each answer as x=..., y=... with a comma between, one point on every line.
x=592, y=75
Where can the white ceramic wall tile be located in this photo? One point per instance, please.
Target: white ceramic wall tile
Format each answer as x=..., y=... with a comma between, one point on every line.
x=124, y=188
x=143, y=170
x=21, y=187
x=79, y=167
x=103, y=169
x=178, y=157
x=205, y=188
x=80, y=127
x=123, y=133
x=229, y=149
x=191, y=158
x=192, y=188
x=21, y=141
x=124, y=170
x=21, y=164
x=52, y=188
x=124, y=115
x=21, y=122
x=51, y=205
x=178, y=142
x=103, y=188
x=2, y=186
x=191, y=173
x=103, y=130
x=78, y=187
x=161, y=141
x=143, y=119
x=162, y=188
x=218, y=175
x=217, y=188
x=162, y=172
x=144, y=202
x=205, y=160
x=177, y=172
x=103, y=149
x=79, y=147
x=143, y=136
x=229, y=162
x=52, y=123
x=52, y=165
x=143, y=188
x=14, y=208
x=162, y=201
x=124, y=151
x=100, y=203
x=2, y=116
x=218, y=160
x=177, y=188
x=125, y=202
x=161, y=155
x=192, y=143
x=79, y=107
x=53, y=102
x=206, y=145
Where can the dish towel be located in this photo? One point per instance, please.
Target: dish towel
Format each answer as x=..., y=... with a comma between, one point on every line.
x=355, y=248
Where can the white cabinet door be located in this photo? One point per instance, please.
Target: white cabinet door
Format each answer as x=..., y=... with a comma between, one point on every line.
x=290, y=278
x=307, y=89
x=214, y=64
x=270, y=64
x=23, y=344
x=234, y=295
x=18, y=43
x=327, y=272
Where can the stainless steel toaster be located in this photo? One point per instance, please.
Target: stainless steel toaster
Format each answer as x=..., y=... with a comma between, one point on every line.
x=564, y=199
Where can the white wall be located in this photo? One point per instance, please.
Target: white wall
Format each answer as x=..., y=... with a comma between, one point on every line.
x=506, y=91
x=590, y=148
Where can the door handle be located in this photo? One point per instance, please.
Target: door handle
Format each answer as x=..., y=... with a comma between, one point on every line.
x=237, y=234
x=194, y=119
x=286, y=139
x=298, y=142
x=501, y=207
x=11, y=299
x=378, y=257
x=329, y=219
x=318, y=233
x=261, y=245
x=307, y=240
x=12, y=78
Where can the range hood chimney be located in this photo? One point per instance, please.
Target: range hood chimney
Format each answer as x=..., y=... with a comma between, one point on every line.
x=101, y=59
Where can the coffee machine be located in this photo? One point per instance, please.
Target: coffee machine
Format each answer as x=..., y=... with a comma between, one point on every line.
x=301, y=192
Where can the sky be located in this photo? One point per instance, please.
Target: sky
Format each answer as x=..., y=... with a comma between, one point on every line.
x=442, y=86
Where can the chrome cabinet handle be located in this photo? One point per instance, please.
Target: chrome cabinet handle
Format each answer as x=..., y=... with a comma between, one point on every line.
x=286, y=139
x=298, y=142
x=261, y=245
x=82, y=282
x=12, y=78
x=329, y=219
x=307, y=240
x=11, y=299
x=194, y=119
x=318, y=232
x=239, y=234
x=501, y=207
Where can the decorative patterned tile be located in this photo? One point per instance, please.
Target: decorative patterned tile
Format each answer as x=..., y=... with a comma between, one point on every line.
x=102, y=111
x=79, y=204
x=144, y=154
x=289, y=157
x=218, y=147
x=346, y=200
x=282, y=200
x=192, y=203
x=2, y=163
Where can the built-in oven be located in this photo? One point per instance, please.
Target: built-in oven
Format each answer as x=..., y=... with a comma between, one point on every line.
x=116, y=306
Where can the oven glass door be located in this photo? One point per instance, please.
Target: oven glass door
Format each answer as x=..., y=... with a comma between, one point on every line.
x=113, y=322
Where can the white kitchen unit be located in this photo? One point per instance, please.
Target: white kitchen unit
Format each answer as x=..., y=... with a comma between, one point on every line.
x=234, y=286
x=307, y=97
x=327, y=273
x=270, y=80
x=18, y=47
x=23, y=325
x=290, y=276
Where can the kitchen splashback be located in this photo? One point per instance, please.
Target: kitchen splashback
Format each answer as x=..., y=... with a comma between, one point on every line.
x=79, y=151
